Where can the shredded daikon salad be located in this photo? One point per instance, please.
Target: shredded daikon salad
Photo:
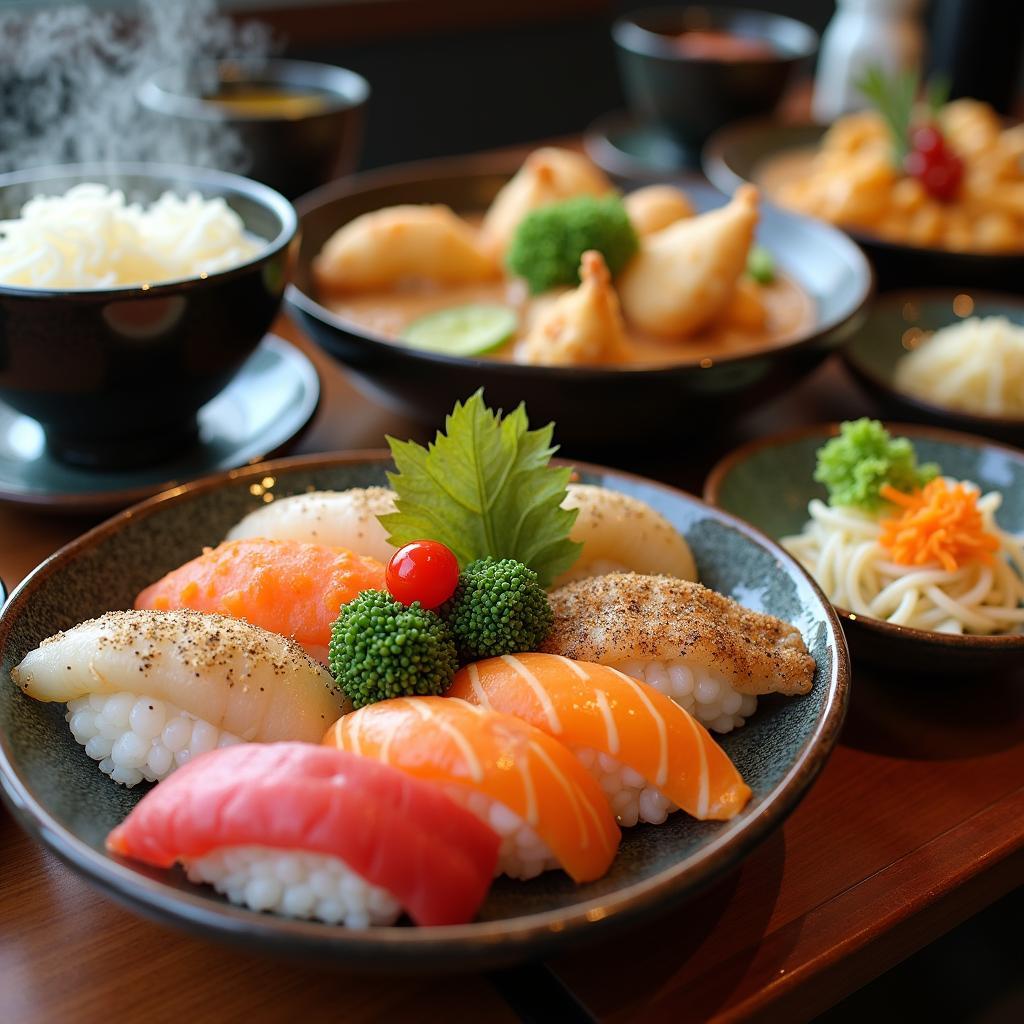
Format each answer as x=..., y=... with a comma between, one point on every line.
x=91, y=238
x=976, y=366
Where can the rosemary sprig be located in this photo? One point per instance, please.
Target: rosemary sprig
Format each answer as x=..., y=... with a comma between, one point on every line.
x=893, y=97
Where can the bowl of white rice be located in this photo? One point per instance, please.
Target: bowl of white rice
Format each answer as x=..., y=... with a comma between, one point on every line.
x=945, y=357
x=130, y=295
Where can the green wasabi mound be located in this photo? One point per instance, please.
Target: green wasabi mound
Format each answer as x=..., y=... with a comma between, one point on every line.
x=498, y=607
x=549, y=243
x=855, y=465
x=381, y=649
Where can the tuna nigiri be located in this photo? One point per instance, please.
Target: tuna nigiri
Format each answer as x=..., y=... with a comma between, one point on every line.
x=147, y=690
x=547, y=810
x=316, y=833
x=345, y=519
x=646, y=751
x=708, y=653
x=288, y=587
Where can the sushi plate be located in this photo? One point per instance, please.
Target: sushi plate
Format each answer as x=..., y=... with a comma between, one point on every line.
x=63, y=800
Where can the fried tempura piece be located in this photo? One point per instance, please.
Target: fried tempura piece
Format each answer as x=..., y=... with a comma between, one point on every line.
x=583, y=326
x=381, y=249
x=655, y=207
x=547, y=175
x=685, y=275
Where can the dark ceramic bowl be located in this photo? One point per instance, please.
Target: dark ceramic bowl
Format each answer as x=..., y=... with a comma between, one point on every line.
x=873, y=354
x=116, y=376
x=739, y=152
x=292, y=153
x=635, y=404
x=60, y=796
x=694, y=96
x=770, y=481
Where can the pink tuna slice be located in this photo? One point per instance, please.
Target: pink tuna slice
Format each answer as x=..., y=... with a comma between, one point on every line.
x=399, y=833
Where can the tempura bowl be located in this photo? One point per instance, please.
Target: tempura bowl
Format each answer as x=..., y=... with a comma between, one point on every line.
x=738, y=153
x=593, y=406
x=769, y=483
x=116, y=376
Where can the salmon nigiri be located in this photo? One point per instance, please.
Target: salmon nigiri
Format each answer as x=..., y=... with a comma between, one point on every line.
x=315, y=833
x=547, y=810
x=645, y=750
x=286, y=586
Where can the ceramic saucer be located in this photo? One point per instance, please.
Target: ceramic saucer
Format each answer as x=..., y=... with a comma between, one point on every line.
x=267, y=404
x=627, y=147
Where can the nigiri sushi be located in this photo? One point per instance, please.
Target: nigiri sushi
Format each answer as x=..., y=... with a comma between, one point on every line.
x=310, y=832
x=148, y=690
x=544, y=806
x=621, y=533
x=708, y=653
x=286, y=586
x=649, y=755
x=342, y=519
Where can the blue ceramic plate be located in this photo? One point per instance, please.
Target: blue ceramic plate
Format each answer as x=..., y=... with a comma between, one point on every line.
x=738, y=485
x=270, y=400
x=64, y=801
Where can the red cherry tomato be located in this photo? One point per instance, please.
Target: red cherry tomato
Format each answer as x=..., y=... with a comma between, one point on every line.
x=424, y=571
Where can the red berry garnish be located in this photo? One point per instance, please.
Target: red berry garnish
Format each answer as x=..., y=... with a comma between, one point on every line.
x=938, y=168
x=927, y=139
x=424, y=571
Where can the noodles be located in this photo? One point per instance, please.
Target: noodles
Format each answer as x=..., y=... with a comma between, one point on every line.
x=840, y=547
x=977, y=366
x=90, y=238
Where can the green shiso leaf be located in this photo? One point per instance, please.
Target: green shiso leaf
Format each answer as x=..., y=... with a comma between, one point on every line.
x=855, y=465
x=485, y=489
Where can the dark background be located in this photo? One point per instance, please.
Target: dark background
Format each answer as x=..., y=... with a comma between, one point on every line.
x=451, y=76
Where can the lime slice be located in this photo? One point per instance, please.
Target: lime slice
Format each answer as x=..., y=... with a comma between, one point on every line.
x=463, y=330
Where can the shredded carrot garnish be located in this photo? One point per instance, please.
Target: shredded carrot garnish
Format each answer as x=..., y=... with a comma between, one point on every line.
x=940, y=523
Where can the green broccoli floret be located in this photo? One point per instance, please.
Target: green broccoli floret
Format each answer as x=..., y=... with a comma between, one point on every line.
x=380, y=649
x=497, y=608
x=549, y=242
x=855, y=465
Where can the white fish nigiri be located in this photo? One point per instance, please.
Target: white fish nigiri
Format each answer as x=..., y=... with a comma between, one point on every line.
x=343, y=519
x=621, y=533
x=148, y=690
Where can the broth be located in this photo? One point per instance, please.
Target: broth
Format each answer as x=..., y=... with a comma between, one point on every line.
x=269, y=101
x=723, y=46
x=788, y=307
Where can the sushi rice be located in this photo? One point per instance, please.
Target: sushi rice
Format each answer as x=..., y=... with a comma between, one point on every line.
x=297, y=883
x=705, y=694
x=136, y=737
x=522, y=853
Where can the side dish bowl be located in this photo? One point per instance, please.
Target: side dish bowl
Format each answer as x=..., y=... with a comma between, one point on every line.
x=693, y=95
x=115, y=376
x=739, y=152
x=592, y=405
x=291, y=149
x=874, y=352
x=58, y=794
x=770, y=481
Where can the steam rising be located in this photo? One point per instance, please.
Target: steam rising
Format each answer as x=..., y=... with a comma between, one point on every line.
x=68, y=77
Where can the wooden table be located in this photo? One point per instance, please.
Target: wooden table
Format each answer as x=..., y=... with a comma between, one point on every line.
x=916, y=823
